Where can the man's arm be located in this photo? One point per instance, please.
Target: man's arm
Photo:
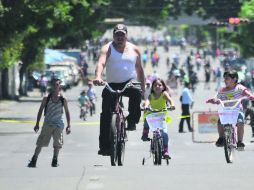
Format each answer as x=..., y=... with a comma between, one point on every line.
x=104, y=54
x=139, y=69
x=247, y=93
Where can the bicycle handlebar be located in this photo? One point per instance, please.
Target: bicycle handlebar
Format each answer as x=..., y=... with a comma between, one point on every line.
x=236, y=102
x=129, y=84
x=158, y=110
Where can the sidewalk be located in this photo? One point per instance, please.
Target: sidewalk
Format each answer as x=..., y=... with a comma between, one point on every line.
x=33, y=96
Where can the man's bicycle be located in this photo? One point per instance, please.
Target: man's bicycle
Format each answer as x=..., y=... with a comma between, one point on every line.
x=228, y=114
x=157, y=122
x=118, y=135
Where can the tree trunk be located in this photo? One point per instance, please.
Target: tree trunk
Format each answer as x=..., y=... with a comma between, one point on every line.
x=23, y=81
x=5, y=84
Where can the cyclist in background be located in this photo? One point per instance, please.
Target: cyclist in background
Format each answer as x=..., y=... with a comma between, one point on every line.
x=122, y=60
x=232, y=91
x=158, y=100
x=91, y=93
x=83, y=102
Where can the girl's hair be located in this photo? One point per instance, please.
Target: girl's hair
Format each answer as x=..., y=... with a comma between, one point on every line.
x=162, y=82
x=82, y=92
x=232, y=74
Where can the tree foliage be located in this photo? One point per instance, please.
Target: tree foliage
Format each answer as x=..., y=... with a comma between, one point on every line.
x=245, y=38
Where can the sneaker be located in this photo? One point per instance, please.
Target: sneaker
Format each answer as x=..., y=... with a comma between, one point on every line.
x=32, y=163
x=166, y=156
x=220, y=142
x=182, y=131
x=54, y=162
x=105, y=152
x=144, y=138
x=131, y=126
x=240, y=145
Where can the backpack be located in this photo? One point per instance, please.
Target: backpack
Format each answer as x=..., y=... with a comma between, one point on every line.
x=47, y=101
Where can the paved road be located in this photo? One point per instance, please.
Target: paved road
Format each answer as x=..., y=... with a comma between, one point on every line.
x=194, y=166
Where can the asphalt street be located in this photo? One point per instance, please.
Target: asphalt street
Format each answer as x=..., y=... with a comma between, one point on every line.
x=194, y=166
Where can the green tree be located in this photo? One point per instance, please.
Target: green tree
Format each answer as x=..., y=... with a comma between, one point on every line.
x=27, y=27
x=246, y=31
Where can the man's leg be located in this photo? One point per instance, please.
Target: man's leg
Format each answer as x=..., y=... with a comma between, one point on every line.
x=105, y=119
x=134, y=95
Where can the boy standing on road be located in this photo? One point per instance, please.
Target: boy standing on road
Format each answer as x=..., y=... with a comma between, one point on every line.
x=53, y=124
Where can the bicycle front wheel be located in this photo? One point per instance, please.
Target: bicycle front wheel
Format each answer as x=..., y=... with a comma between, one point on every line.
x=157, y=156
x=120, y=153
x=113, y=140
x=228, y=147
x=121, y=144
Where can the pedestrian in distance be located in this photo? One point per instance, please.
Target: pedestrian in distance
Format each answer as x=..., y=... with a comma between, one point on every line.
x=53, y=124
x=158, y=100
x=43, y=83
x=122, y=61
x=187, y=102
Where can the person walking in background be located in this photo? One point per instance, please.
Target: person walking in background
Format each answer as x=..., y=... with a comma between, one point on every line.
x=186, y=101
x=145, y=58
x=218, y=75
x=43, y=83
x=53, y=124
x=207, y=76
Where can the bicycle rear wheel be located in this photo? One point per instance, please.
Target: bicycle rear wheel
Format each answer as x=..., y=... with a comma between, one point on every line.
x=157, y=156
x=228, y=147
x=113, y=140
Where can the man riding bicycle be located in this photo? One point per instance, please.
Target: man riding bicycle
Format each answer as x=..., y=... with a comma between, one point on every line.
x=122, y=60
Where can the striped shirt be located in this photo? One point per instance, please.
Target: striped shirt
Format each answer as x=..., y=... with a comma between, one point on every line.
x=54, y=114
x=233, y=94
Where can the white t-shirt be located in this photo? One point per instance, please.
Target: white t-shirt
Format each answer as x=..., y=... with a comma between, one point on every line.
x=120, y=67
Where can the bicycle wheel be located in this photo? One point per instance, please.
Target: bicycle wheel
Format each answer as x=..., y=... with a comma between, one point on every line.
x=157, y=152
x=228, y=147
x=121, y=145
x=113, y=140
x=120, y=153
